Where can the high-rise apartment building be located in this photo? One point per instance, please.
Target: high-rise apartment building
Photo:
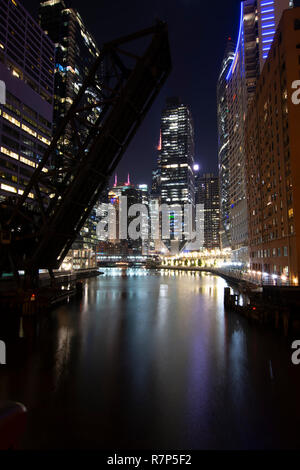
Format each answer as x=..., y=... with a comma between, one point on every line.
x=258, y=21
x=207, y=193
x=272, y=156
x=176, y=159
x=223, y=144
x=26, y=68
x=75, y=53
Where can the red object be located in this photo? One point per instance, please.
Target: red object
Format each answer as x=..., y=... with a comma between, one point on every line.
x=253, y=308
x=159, y=143
x=32, y=298
x=12, y=424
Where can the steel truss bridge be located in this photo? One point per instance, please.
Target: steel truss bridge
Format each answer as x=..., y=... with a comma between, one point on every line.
x=38, y=228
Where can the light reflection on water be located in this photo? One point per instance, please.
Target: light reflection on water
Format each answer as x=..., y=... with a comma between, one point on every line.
x=149, y=359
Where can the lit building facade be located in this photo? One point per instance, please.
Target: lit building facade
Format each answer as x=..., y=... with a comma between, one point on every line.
x=122, y=243
x=223, y=145
x=75, y=53
x=207, y=193
x=26, y=67
x=272, y=156
x=258, y=20
x=176, y=159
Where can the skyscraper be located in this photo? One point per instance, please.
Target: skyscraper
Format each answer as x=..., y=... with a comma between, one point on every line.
x=122, y=243
x=258, y=20
x=272, y=157
x=26, y=67
x=75, y=53
x=207, y=193
x=223, y=145
x=176, y=159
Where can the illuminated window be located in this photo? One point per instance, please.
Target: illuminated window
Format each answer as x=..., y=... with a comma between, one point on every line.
x=6, y=187
x=27, y=162
x=10, y=153
x=44, y=140
x=30, y=131
x=11, y=119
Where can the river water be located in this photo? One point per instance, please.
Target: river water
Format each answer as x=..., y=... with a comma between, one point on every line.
x=150, y=360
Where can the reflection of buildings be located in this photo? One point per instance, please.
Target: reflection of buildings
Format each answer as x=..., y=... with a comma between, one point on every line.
x=272, y=155
x=26, y=66
x=258, y=21
x=75, y=53
x=120, y=196
x=207, y=193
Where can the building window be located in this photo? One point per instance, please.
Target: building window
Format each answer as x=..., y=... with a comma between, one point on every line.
x=285, y=251
x=297, y=24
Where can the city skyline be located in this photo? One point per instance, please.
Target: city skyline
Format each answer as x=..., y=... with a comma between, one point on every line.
x=149, y=246
x=193, y=79
x=197, y=88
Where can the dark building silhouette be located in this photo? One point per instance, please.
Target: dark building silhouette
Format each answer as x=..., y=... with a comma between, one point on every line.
x=207, y=193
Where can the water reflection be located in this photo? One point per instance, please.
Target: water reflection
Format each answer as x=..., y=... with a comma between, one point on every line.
x=150, y=359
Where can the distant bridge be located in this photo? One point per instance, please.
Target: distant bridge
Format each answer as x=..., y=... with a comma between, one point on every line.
x=127, y=260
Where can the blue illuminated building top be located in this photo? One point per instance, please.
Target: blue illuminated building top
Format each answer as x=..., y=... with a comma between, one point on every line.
x=267, y=8
x=238, y=44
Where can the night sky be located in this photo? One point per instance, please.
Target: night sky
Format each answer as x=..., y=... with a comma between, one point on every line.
x=198, y=31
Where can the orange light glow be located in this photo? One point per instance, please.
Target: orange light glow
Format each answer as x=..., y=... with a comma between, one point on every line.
x=159, y=144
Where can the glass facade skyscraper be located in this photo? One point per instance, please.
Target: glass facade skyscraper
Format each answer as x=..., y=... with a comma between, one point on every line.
x=256, y=24
x=177, y=153
x=75, y=53
x=176, y=157
x=223, y=144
